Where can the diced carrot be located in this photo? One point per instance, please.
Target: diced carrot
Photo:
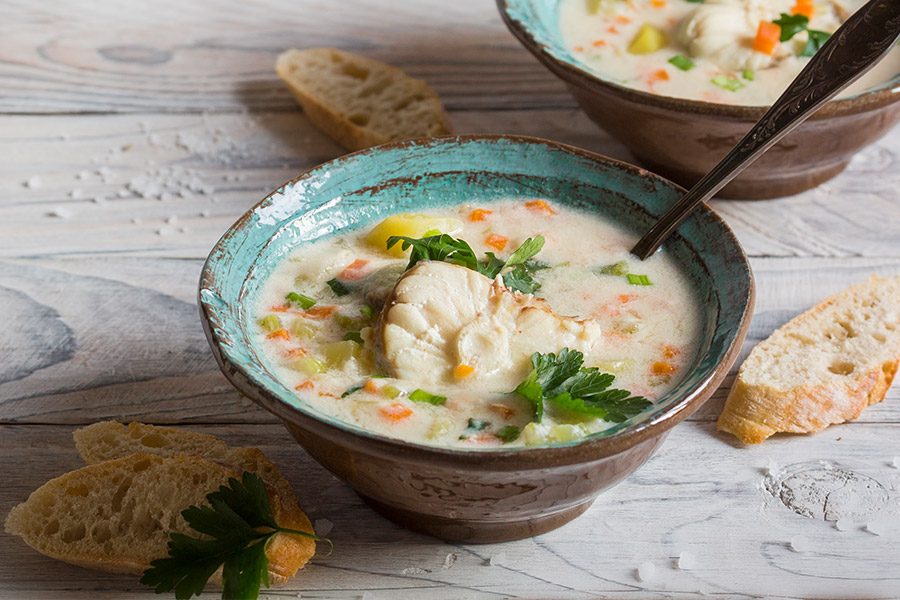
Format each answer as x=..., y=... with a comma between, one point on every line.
x=578, y=48
x=463, y=371
x=622, y=19
x=483, y=440
x=662, y=368
x=279, y=308
x=354, y=271
x=503, y=410
x=670, y=351
x=599, y=43
x=279, y=333
x=540, y=206
x=296, y=352
x=658, y=3
x=805, y=8
x=612, y=29
x=767, y=35
x=496, y=241
x=306, y=385
x=625, y=298
x=319, y=312
x=396, y=412
x=479, y=214
x=370, y=386
x=660, y=75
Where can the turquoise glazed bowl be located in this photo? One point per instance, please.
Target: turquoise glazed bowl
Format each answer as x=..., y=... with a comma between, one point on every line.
x=497, y=494
x=684, y=139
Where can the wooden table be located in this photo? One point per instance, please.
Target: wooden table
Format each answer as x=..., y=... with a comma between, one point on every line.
x=133, y=134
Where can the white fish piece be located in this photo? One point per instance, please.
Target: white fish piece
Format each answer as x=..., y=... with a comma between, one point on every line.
x=440, y=316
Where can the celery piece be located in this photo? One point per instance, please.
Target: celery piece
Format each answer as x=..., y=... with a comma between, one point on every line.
x=423, y=396
x=270, y=323
x=619, y=268
x=439, y=428
x=390, y=391
x=534, y=433
x=638, y=279
x=566, y=432
x=748, y=74
x=338, y=353
x=682, y=62
x=303, y=329
x=614, y=366
x=307, y=365
x=349, y=323
x=300, y=300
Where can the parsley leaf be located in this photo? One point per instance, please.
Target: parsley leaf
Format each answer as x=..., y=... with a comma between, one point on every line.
x=562, y=380
x=816, y=39
x=791, y=25
x=240, y=522
x=338, y=287
x=508, y=433
x=519, y=266
x=354, y=336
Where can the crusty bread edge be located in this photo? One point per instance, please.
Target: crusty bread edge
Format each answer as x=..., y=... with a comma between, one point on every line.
x=334, y=124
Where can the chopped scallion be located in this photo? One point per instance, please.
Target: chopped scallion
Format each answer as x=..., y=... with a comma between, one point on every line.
x=300, y=300
x=682, y=62
x=748, y=74
x=353, y=336
x=638, y=279
x=352, y=390
x=423, y=396
x=728, y=83
x=337, y=287
x=367, y=311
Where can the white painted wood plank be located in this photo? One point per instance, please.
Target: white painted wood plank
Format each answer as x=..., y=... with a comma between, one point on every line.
x=119, y=337
x=220, y=165
x=699, y=495
x=219, y=55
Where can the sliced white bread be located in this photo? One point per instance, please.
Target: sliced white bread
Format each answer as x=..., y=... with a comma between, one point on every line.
x=117, y=515
x=822, y=367
x=110, y=440
x=360, y=102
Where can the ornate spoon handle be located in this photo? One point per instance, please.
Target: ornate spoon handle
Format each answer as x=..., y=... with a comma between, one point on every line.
x=864, y=39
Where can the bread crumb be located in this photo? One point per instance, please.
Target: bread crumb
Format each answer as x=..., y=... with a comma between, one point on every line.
x=449, y=560
x=61, y=212
x=33, y=182
x=844, y=524
x=646, y=571
x=687, y=561
x=876, y=527
x=497, y=560
x=323, y=527
x=800, y=544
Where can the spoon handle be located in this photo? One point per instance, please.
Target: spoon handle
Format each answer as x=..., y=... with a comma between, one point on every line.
x=864, y=39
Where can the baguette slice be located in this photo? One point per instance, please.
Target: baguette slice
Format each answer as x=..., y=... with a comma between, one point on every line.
x=110, y=440
x=822, y=367
x=117, y=515
x=360, y=102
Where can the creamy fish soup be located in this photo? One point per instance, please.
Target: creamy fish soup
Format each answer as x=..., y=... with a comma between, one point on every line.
x=726, y=51
x=508, y=324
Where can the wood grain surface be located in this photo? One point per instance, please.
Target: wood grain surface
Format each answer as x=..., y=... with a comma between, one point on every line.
x=133, y=134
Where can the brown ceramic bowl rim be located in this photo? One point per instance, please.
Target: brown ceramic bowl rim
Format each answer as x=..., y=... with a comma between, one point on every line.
x=576, y=451
x=586, y=79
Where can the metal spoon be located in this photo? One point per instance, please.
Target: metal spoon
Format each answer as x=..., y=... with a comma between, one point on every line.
x=863, y=40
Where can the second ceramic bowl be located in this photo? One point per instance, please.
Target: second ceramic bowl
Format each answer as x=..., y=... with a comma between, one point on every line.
x=496, y=494
x=683, y=139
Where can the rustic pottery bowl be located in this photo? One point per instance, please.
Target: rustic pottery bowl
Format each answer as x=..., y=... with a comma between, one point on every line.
x=683, y=139
x=497, y=494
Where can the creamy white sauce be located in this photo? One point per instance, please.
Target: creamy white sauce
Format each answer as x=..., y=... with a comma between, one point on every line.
x=716, y=35
x=648, y=333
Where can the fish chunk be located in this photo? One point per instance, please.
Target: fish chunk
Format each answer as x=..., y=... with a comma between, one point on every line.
x=441, y=316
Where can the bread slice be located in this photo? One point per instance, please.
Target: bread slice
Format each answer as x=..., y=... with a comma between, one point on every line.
x=822, y=367
x=117, y=515
x=360, y=102
x=110, y=440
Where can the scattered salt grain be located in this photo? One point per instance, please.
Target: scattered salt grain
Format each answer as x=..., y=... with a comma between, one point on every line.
x=800, y=544
x=184, y=229
x=498, y=559
x=164, y=231
x=449, y=560
x=687, y=561
x=876, y=527
x=413, y=571
x=205, y=212
x=32, y=182
x=98, y=199
x=137, y=221
x=646, y=571
x=64, y=137
x=844, y=524
x=76, y=194
x=323, y=527
x=83, y=175
x=172, y=220
x=896, y=462
x=772, y=469
x=60, y=212
x=123, y=193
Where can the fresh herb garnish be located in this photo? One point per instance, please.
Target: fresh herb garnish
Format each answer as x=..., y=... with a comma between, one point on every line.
x=354, y=336
x=300, y=300
x=338, y=287
x=445, y=248
x=638, y=279
x=727, y=82
x=682, y=62
x=748, y=74
x=562, y=380
x=239, y=520
x=474, y=426
x=508, y=434
x=423, y=396
x=791, y=25
x=351, y=390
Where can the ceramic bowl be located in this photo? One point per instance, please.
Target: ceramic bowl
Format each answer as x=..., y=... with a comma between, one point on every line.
x=683, y=139
x=496, y=494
